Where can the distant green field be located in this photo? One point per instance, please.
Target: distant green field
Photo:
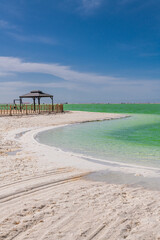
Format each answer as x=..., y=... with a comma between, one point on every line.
x=115, y=108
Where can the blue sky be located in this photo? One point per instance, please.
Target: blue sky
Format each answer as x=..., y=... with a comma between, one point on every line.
x=81, y=51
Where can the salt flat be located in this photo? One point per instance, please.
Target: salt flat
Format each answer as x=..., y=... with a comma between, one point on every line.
x=44, y=194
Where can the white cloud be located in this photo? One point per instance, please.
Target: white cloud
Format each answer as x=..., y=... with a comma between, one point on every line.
x=3, y=24
x=150, y=54
x=91, y=4
x=6, y=25
x=11, y=30
x=125, y=91
x=32, y=38
x=16, y=88
x=16, y=65
x=18, y=85
x=127, y=1
x=88, y=7
x=3, y=74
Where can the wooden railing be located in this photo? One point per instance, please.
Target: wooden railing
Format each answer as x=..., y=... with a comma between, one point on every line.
x=26, y=109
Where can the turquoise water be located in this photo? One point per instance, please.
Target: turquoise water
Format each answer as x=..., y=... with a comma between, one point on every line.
x=116, y=108
x=133, y=140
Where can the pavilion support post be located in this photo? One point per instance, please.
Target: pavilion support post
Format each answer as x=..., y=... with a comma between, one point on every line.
x=52, y=104
x=34, y=104
x=39, y=105
x=20, y=104
x=10, y=113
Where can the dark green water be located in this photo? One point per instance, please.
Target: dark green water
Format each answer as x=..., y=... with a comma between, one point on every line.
x=134, y=140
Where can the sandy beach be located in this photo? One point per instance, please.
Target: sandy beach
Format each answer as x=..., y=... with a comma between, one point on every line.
x=46, y=193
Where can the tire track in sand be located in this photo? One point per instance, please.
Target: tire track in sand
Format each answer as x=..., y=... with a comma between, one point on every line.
x=5, y=197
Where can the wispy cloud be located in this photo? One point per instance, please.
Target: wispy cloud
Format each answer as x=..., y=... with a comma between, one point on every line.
x=85, y=7
x=24, y=84
x=94, y=87
x=124, y=2
x=32, y=38
x=6, y=25
x=3, y=74
x=119, y=91
x=16, y=33
x=90, y=5
x=151, y=54
x=16, y=65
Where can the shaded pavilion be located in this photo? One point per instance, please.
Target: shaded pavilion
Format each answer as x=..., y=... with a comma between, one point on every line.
x=36, y=94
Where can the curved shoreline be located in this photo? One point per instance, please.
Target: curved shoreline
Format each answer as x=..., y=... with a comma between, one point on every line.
x=52, y=155
x=84, y=162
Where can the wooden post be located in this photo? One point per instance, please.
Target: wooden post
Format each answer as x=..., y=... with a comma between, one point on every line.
x=26, y=109
x=52, y=104
x=61, y=107
x=10, y=111
x=20, y=110
x=34, y=103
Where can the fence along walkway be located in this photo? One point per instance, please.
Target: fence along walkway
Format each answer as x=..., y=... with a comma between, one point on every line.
x=26, y=109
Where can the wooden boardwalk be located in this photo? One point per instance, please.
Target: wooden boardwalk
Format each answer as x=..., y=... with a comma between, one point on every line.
x=26, y=109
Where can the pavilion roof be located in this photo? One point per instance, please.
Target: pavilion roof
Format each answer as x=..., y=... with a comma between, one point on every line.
x=35, y=94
